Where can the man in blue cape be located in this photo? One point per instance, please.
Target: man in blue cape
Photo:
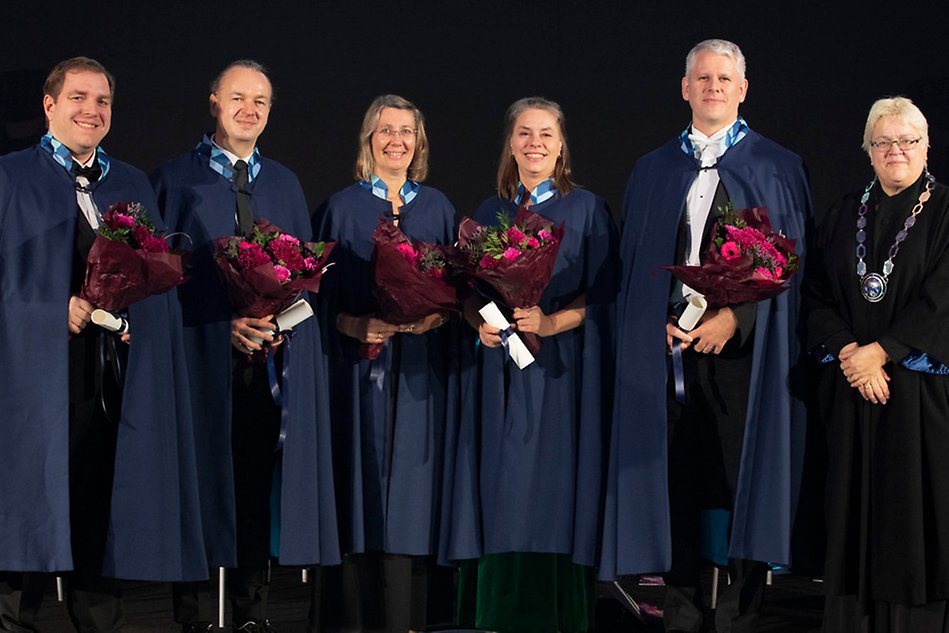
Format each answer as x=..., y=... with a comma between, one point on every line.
x=731, y=438
x=265, y=470
x=98, y=462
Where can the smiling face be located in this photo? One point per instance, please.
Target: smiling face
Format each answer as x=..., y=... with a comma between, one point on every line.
x=896, y=168
x=241, y=106
x=713, y=88
x=536, y=142
x=393, y=143
x=80, y=116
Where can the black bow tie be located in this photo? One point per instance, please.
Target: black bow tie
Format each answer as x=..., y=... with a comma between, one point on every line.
x=90, y=173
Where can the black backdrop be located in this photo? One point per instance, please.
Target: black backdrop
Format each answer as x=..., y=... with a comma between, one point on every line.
x=814, y=69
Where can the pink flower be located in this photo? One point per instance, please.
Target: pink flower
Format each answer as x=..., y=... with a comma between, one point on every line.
x=511, y=254
x=310, y=263
x=437, y=272
x=122, y=220
x=778, y=271
x=532, y=242
x=730, y=251
x=764, y=272
x=153, y=244
x=283, y=274
x=545, y=235
x=488, y=263
x=287, y=252
x=289, y=239
x=515, y=235
x=410, y=254
x=250, y=255
x=142, y=235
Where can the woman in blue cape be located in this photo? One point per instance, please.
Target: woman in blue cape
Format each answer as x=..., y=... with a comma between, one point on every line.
x=390, y=413
x=528, y=509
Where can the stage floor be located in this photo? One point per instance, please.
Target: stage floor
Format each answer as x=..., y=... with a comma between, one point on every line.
x=793, y=604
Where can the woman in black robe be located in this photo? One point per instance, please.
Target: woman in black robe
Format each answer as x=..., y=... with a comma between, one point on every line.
x=878, y=300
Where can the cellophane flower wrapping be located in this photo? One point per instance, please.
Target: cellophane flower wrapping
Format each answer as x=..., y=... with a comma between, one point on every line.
x=746, y=260
x=129, y=260
x=512, y=262
x=267, y=271
x=410, y=280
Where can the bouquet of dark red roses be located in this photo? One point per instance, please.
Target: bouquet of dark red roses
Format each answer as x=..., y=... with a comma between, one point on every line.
x=746, y=260
x=128, y=261
x=511, y=262
x=267, y=271
x=411, y=280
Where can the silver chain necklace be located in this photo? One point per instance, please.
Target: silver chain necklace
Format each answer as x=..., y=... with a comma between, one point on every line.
x=873, y=285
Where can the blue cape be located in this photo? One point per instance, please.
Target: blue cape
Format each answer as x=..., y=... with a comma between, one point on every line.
x=154, y=532
x=201, y=203
x=754, y=172
x=392, y=506
x=529, y=467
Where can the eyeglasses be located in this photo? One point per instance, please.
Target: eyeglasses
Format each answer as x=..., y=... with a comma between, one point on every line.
x=405, y=132
x=884, y=144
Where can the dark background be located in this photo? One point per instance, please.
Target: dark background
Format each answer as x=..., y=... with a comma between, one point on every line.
x=615, y=67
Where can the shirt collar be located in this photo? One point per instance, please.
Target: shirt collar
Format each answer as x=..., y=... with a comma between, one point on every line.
x=728, y=137
x=222, y=161
x=541, y=193
x=379, y=189
x=63, y=156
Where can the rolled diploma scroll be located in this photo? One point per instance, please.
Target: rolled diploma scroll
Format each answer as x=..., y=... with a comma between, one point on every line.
x=693, y=312
x=108, y=321
x=292, y=316
x=493, y=317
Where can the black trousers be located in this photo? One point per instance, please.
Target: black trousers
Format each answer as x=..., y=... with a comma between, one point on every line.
x=385, y=593
x=255, y=427
x=705, y=440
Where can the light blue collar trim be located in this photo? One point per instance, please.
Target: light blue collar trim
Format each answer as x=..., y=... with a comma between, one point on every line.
x=62, y=155
x=380, y=190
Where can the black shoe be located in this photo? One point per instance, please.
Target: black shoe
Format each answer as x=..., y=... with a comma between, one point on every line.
x=197, y=627
x=255, y=627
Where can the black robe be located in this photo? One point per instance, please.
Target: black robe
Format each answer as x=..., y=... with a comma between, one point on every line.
x=888, y=475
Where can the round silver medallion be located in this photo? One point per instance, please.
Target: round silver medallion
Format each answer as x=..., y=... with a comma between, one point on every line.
x=873, y=287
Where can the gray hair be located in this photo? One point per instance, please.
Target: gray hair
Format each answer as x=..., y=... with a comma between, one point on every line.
x=900, y=107
x=718, y=47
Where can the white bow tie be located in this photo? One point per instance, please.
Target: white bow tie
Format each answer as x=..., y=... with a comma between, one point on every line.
x=708, y=149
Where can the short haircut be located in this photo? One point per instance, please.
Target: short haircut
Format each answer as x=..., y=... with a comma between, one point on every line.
x=242, y=63
x=508, y=176
x=365, y=163
x=57, y=76
x=900, y=107
x=718, y=47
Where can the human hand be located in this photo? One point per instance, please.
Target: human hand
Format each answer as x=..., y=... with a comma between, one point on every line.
x=875, y=389
x=862, y=362
x=716, y=328
x=365, y=329
x=490, y=335
x=80, y=313
x=533, y=320
x=423, y=325
x=673, y=333
x=245, y=329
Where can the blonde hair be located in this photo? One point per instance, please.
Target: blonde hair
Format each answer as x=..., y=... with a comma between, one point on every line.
x=507, y=167
x=365, y=164
x=900, y=107
x=717, y=47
